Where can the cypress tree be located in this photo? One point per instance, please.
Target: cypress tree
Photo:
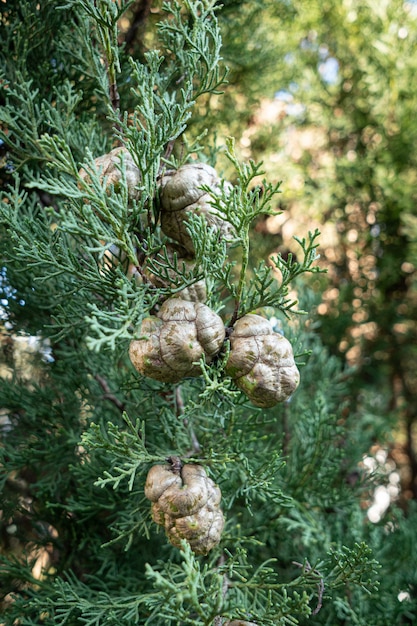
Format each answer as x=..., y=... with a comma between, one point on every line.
x=93, y=138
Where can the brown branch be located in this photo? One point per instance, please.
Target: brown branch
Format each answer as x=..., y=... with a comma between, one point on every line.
x=219, y=620
x=108, y=395
x=195, y=444
x=114, y=97
x=320, y=585
x=176, y=463
x=409, y=450
x=287, y=434
x=141, y=13
x=115, y=103
x=168, y=151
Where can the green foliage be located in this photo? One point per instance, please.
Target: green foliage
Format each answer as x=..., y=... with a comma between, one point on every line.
x=80, y=432
x=240, y=208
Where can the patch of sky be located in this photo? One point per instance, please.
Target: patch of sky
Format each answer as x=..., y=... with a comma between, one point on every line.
x=329, y=70
x=292, y=108
x=6, y=294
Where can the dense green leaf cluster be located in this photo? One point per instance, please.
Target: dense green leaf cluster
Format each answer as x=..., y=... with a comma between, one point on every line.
x=79, y=434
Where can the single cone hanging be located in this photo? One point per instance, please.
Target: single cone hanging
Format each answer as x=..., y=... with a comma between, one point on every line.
x=261, y=362
x=186, y=502
x=181, y=194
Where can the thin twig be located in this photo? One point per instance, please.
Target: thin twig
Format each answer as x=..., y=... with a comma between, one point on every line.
x=115, y=103
x=168, y=151
x=108, y=395
x=195, y=444
x=114, y=97
x=219, y=620
x=287, y=433
x=320, y=585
